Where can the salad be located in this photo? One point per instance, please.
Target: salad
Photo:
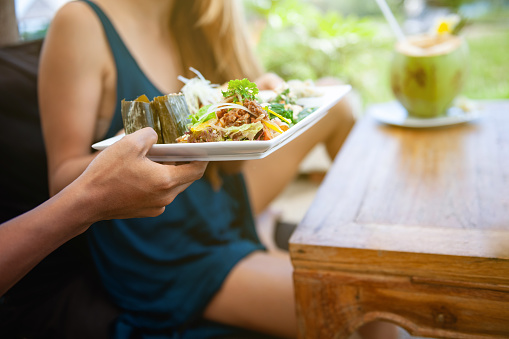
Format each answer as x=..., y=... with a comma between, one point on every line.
x=237, y=113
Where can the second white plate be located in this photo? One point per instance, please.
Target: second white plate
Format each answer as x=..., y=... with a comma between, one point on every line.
x=393, y=113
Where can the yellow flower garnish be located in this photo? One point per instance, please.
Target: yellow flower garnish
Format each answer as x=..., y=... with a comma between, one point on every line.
x=444, y=28
x=446, y=25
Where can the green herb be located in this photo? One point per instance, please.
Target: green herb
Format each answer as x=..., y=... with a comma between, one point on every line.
x=281, y=110
x=245, y=88
x=284, y=97
x=305, y=112
x=201, y=115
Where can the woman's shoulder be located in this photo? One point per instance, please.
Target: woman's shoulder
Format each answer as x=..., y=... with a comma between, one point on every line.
x=77, y=17
x=76, y=33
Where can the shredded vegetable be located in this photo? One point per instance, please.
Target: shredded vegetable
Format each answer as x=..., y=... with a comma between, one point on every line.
x=218, y=107
x=199, y=92
x=272, y=126
x=277, y=115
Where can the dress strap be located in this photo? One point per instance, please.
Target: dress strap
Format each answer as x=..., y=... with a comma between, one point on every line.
x=118, y=47
x=131, y=81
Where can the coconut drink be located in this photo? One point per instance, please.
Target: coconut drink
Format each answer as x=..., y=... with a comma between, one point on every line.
x=428, y=71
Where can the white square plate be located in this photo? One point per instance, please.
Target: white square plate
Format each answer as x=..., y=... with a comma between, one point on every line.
x=242, y=150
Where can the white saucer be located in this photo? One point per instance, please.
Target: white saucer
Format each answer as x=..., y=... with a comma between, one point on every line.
x=393, y=113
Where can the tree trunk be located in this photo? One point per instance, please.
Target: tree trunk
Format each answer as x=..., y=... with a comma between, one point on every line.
x=9, y=33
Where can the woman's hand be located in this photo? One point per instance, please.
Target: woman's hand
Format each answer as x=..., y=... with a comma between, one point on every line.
x=122, y=182
x=119, y=183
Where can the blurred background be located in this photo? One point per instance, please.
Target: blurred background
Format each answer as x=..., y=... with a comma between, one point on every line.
x=349, y=39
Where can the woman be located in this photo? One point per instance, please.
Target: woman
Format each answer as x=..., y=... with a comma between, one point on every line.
x=199, y=269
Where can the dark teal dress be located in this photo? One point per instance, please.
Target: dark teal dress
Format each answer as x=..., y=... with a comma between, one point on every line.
x=163, y=271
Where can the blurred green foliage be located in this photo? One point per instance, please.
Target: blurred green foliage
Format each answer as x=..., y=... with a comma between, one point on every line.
x=300, y=41
x=310, y=39
x=34, y=35
x=454, y=4
x=489, y=62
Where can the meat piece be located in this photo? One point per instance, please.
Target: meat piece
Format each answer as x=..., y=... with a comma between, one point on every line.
x=236, y=117
x=256, y=110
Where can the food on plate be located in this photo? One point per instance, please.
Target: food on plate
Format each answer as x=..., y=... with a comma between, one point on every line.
x=138, y=114
x=238, y=116
x=297, y=89
x=284, y=99
x=166, y=114
x=202, y=112
x=173, y=113
x=199, y=91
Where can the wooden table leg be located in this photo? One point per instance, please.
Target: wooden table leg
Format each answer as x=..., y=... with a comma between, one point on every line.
x=333, y=304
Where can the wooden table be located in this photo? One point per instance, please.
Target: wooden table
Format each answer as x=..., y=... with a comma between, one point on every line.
x=410, y=226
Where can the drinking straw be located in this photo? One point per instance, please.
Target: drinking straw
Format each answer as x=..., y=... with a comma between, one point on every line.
x=391, y=19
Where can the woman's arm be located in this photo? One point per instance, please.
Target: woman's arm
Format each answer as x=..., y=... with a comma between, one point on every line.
x=120, y=183
x=72, y=75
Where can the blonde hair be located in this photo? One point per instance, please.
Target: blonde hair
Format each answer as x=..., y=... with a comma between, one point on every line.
x=212, y=37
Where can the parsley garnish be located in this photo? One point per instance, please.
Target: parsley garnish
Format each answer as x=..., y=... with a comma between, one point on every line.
x=245, y=88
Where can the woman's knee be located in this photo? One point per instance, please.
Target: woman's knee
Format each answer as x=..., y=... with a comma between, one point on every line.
x=257, y=295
